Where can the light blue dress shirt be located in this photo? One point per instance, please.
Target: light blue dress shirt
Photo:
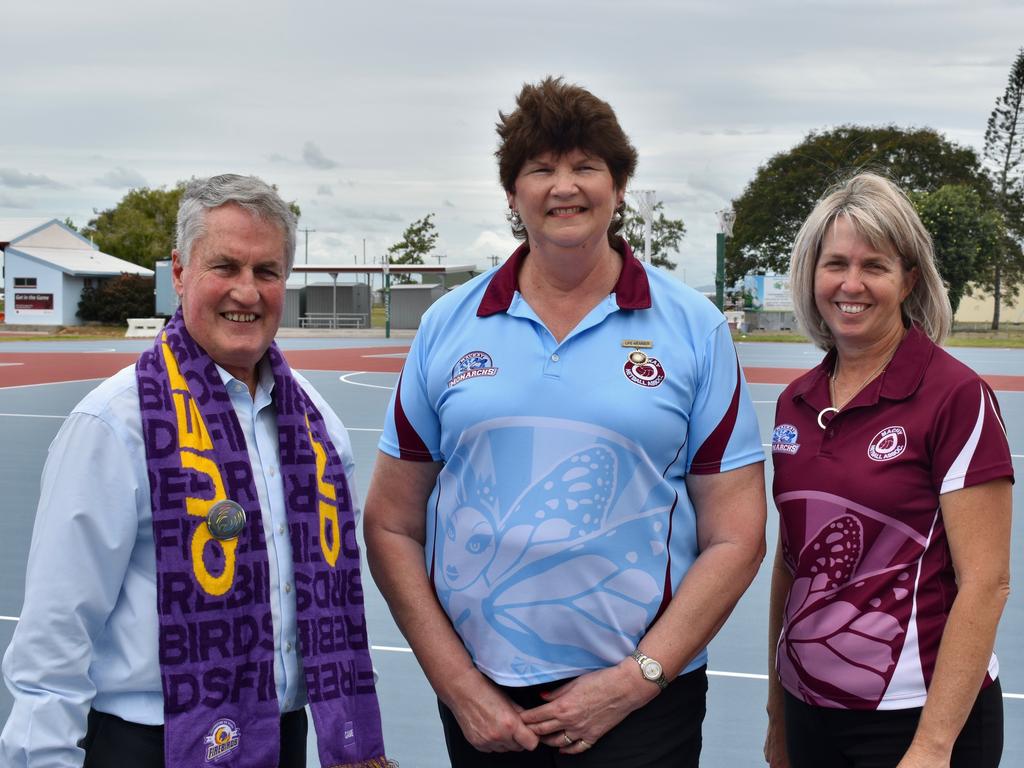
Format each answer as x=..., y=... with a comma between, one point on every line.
x=87, y=636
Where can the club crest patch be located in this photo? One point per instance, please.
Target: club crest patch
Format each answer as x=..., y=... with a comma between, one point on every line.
x=223, y=738
x=784, y=439
x=887, y=444
x=643, y=370
x=472, y=365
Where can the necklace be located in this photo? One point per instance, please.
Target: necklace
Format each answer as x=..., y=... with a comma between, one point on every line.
x=834, y=409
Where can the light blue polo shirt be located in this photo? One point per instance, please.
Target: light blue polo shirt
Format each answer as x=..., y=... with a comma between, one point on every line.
x=559, y=526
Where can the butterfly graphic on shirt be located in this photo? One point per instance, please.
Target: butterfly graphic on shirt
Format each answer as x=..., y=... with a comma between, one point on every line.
x=546, y=575
x=845, y=628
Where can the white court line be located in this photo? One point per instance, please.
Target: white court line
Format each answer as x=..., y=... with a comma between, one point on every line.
x=51, y=383
x=391, y=648
x=744, y=675
x=3, y=364
x=345, y=379
x=711, y=672
x=363, y=429
x=33, y=415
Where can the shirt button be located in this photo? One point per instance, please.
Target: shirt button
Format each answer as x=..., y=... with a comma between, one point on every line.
x=287, y=587
x=280, y=529
x=273, y=473
x=288, y=646
x=555, y=358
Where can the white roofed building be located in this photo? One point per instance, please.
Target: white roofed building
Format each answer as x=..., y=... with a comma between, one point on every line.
x=46, y=266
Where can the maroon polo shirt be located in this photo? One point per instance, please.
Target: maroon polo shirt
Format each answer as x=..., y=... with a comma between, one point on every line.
x=861, y=523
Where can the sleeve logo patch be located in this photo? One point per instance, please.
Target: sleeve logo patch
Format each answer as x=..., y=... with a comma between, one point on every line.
x=784, y=439
x=223, y=738
x=472, y=365
x=887, y=444
x=643, y=370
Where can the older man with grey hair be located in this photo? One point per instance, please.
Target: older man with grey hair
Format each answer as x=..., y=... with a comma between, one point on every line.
x=193, y=580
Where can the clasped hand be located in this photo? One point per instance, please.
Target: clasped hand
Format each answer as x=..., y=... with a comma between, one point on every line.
x=572, y=719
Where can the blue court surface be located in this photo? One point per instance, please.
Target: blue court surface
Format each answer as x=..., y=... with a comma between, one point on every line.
x=734, y=728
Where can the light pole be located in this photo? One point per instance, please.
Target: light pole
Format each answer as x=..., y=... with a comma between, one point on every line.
x=726, y=218
x=305, y=275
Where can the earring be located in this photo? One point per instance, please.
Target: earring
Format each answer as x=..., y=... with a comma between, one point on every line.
x=513, y=218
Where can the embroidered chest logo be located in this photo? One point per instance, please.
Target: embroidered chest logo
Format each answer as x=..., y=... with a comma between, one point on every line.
x=784, y=439
x=887, y=444
x=643, y=370
x=472, y=365
x=223, y=738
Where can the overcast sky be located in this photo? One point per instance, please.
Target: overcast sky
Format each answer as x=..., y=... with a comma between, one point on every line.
x=372, y=114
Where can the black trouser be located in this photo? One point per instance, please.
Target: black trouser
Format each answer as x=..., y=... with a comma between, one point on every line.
x=111, y=742
x=848, y=738
x=664, y=734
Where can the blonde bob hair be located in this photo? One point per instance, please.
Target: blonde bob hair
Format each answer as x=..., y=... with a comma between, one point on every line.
x=883, y=215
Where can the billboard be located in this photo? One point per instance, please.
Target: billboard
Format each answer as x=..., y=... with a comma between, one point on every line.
x=31, y=302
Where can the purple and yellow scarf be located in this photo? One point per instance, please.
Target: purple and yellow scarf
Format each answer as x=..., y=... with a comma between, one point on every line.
x=213, y=595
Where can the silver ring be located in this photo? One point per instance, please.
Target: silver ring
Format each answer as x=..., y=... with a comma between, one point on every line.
x=568, y=741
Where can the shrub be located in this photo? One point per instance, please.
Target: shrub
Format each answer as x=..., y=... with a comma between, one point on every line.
x=118, y=298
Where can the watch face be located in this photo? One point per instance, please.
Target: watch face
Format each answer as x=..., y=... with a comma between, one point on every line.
x=652, y=669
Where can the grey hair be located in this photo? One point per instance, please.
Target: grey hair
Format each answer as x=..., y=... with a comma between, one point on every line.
x=883, y=215
x=248, y=192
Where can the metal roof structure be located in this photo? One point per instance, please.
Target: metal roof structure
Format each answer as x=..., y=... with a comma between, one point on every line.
x=81, y=262
x=12, y=229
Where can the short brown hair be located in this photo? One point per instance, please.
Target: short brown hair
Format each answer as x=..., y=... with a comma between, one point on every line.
x=553, y=116
x=883, y=215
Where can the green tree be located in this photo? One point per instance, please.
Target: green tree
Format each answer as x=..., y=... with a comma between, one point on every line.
x=963, y=231
x=116, y=299
x=666, y=234
x=417, y=241
x=140, y=228
x=784, y=190
x=1004, y=159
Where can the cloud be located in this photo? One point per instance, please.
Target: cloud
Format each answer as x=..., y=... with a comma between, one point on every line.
x=325, y=190
x=276, y=157
x=10, y=177
x=314, y=157
x=6, y=201
x=448, y=204
x=119, y=178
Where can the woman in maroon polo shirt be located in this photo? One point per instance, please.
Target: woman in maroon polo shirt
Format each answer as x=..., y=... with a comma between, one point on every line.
x=892, y=481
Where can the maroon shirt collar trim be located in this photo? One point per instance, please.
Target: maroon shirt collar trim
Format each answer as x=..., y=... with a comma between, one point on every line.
x=902, y=376
x=632, y=290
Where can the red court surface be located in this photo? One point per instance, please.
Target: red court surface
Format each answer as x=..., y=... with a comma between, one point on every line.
x=21, y=369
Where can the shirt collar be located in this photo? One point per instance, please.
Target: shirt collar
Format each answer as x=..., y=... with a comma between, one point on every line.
x=903, y=374
x=632, y=290
x=264, y=376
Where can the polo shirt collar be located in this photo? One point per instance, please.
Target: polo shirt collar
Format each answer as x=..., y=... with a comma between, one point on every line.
x=632, y=290
x=903, y=374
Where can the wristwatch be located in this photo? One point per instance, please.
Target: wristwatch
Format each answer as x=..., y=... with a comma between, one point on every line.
x=650, y=669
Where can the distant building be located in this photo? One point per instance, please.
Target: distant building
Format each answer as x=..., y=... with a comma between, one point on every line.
x=47, y=265
x=978, y=309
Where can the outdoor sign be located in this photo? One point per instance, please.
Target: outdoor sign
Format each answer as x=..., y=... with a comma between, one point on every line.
x=33, y=302
x=769, y=292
